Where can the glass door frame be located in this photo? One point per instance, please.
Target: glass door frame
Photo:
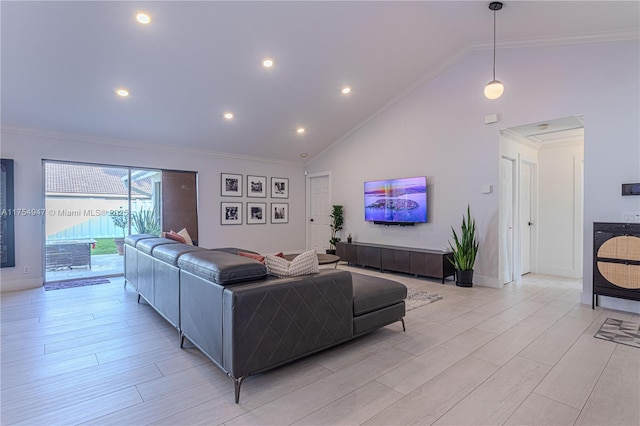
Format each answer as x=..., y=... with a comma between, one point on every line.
x=157, y=203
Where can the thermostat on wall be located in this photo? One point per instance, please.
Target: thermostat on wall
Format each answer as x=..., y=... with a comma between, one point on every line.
x=631, y=189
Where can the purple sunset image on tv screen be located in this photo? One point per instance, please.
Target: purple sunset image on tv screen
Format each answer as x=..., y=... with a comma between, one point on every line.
x=396, y=200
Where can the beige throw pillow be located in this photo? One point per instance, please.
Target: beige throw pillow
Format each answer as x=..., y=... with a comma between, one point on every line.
x=184, y=234
x=304, y=264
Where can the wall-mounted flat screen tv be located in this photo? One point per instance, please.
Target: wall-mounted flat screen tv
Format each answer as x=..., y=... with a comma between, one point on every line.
x=396, y=201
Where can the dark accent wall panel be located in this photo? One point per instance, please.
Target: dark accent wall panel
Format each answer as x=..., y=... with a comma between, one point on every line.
x=180, y=202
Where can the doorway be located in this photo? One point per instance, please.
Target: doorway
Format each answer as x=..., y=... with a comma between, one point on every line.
x=527, y=215
x=507, y=209
x=90, y=208
x=544, y=198
x=319, y=210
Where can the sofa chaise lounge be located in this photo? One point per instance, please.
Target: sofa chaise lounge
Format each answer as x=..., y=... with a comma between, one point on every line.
x=246, y=321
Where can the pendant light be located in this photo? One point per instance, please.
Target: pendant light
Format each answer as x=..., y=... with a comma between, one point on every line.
x=494, y=89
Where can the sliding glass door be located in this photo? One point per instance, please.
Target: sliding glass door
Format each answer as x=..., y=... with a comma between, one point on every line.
x=90, y=209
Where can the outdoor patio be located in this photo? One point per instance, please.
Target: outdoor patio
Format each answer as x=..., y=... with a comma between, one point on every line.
x=101, y=265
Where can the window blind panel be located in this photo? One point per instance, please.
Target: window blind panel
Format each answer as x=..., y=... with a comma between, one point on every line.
x=180, y=202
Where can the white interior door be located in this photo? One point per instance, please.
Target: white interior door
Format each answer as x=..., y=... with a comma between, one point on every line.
x=578, y=181
x=319, y=211
x=526, y=217
x=506, y=218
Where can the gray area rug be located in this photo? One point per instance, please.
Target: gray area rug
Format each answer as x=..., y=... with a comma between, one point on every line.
x=618, y=331
x=75, y=283
x=417, y=298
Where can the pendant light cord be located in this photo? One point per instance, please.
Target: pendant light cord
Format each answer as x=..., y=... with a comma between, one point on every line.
x=494, y=45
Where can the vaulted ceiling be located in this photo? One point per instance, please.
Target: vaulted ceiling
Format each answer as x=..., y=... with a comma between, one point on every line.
x=61, y=63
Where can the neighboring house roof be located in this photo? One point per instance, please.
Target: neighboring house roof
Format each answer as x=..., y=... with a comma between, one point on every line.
x=79, y=179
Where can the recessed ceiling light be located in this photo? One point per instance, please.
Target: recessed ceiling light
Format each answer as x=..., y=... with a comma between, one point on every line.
x=346, y=90
x=122, y=92
x=304, y=155
x=143, y=17
x=300, y=130
x=267, y=62
x=543, y=126
x=228, y=115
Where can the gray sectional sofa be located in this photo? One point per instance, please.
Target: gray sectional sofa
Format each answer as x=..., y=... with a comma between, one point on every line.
x=246, y=321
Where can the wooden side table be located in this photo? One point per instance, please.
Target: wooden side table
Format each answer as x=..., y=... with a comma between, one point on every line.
x=323, y=259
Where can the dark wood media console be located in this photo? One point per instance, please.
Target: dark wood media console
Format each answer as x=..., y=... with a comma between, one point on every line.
x=410, y=260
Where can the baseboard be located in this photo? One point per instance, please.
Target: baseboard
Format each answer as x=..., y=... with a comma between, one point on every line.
x=23, y=284
x=484, y=281
x=614, y=303
x=559, y=272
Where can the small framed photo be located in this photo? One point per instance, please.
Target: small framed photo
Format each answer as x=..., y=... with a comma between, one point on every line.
x=279, y=213
x=279, y=187
x=230, y=213
x=256, y=186
x=256, y=213
x=231, y=185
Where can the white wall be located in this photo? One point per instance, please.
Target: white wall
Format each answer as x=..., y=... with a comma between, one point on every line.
x=557, y=192
x=437, y=130
x=29, y=148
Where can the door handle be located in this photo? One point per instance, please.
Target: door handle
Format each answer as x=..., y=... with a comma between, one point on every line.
x=530, y=223
x=311, y=220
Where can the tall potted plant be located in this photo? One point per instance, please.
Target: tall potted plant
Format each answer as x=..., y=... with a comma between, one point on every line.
x=465, y=249
x=120, y=219
x=337, y=222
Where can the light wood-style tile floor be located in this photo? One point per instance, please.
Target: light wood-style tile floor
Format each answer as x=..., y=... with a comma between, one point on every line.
x=524, y=354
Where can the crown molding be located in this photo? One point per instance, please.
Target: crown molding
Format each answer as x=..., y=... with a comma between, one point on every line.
x=542, y=146
x=568, y=143
x=519, y=139
x=595, y=37
x=130, y=144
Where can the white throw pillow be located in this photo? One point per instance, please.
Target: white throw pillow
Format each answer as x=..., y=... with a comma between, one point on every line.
x=184, y=234
x=304, y=264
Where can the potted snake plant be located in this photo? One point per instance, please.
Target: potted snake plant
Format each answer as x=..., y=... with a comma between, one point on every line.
x=465, y=250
